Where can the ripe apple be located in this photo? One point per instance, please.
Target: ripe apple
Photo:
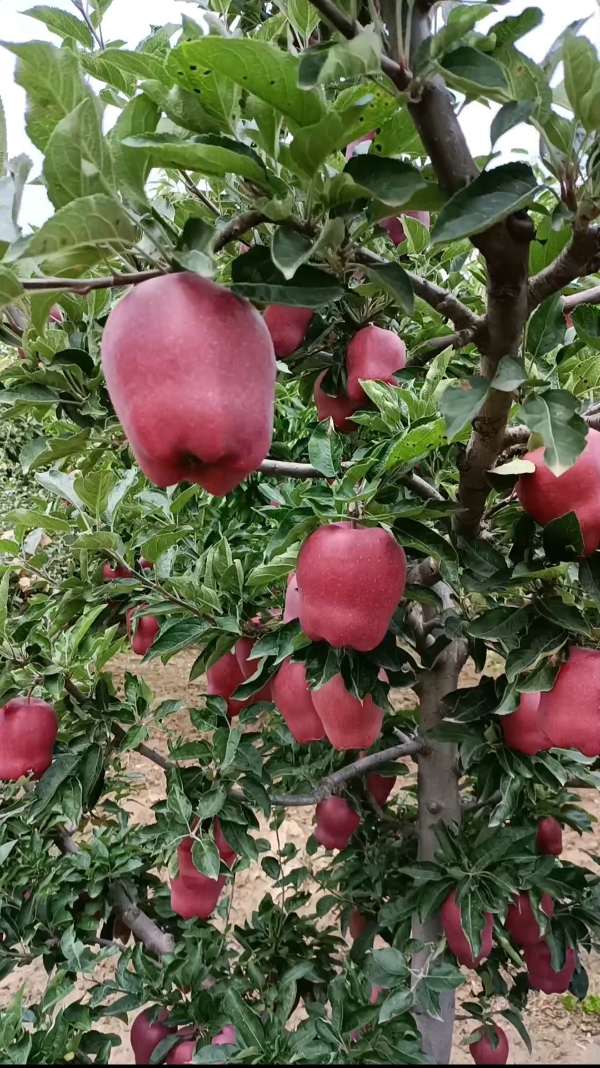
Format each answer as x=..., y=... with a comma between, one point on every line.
x=351, y=580
x=522, y=729
x=287, y=327
x=338, y=408
x=373, y=354
x=395, y=230
x=569, y=713
x=226, y=1037
x=549, y=837
x=56, y=314
x=336, y=822
x=542, y=976
x=292, y=599
x=295, y=702
x=358, y=923
x=147, y=629
x=144, y=564
x=458, y=944
x=547, y=496
x=110, y=572
x=348, y=722
x=223, y=678
x=28, y=729
x=521, y=921
x=226, y=853
x=243, y=648
x=190, y=370
x=483, y=1052
x=183, y=1052
x=380, y=787
x=192, y=893
x=146, y=1036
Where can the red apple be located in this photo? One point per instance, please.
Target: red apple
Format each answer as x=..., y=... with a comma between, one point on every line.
x=351, y=580
x=547, y=496
x=243, y=648
x=380, y=787
x=226, y=1037
x=223, y=678
x=292, y=599
x=395, y=230
x=358, y=923
x=146, y=1036
x=373, y=354
x=549, y=837
x=351, y=148
x=338, y=408
x=521, y=921
x=295, y=702
x=192, y=893
x=542, y=976
x=483, y=1052
x=226, y=853
x=110, y=572
x=569, y=713
x=336, y=822
x=183, y=1052
x=190, y=370
x=146, y=631
x=28, y=729
x=375, y=992
x=144, y=564
x=522, y=729
x=56, y=314
x=458, y=944
x=287, y=327
x=348, y=722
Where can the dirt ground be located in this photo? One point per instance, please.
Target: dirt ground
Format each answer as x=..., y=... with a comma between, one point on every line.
x=559, y=1036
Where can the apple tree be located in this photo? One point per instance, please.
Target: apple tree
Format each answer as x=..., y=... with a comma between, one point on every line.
x=293, y=383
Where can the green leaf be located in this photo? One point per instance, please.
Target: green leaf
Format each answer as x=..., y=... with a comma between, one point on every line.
x=540, y=641
x=205, y=154
x=94, y=224
x=243, y=1018
x=394, y=280
x=586, y=320
x=104, y=542
x=278, y=568
x=460, y=403
x=176, y=636
x=459, y=22
x=205, y=856
x=510, y=375
x=417, y=535
x=509, y=116
x=473, y=72
x=62, y=23
x=582, y=80
x=289, y=251
x=131, y=166
x=553, y=414
x=562, y=538
x=417, y=442
x=133, y=64
x=514, y=1017
x=329, y=63
x=54, y=85
x=10, y=287
x=491, y=197
x=159, y=543
x=211, y=803
x=258, y=67
x=28, y=517
x=395, y=1005
x=325, y=449
x=547, y=327
x=94, y=489
x=392, y=181
x=255, y=276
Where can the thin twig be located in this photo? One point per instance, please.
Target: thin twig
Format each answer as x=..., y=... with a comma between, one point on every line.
x=286, y=469
x=332, y=784
x=349, y=28
x=96, y=33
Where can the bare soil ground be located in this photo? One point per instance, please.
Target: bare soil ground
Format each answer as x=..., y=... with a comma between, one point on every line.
x=559, y=1036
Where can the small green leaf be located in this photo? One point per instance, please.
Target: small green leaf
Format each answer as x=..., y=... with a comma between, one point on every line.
x=205, y=856
x=392, y=181
x=394, y=280
x=547, y=327
x=553, y=414
x=10, y=287
x=255, y=276
x=510, y=375
x=243, y=1018
x=354, y=58
x=205, y=153
x=491, y=197
x=417, y=442
x=290, y=250
x=325, y=449
x=95, y=223
x=62, y=23
x=460, y=404
x=29, y=517
x=509, y=116
x=175, y=636
x=562, y=538
x=472, y=72
x=582, y=80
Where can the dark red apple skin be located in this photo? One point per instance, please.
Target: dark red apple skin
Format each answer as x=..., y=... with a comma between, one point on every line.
x=348, y=723
x=146, y=1036
x=287, y=327
x=111, y=572
x=542, y=976
x=380, y=787
x=147, y=629
x=223, y=678
x=292, y=599
x=547, y=496
x=181, y=1053
x=243, y=648
x=144, y=564
x=357, y=924
x=28, y=729
x=395, y=230
x=483, y=1052
x=569, y=713
x=351, y=580
x=521, y=921
x=226, y=1037
x=522, y=728
x=294, y=700
x=336, y=822
x=458, y=944
x=205, y=413
x=192, y=893
x=374, y=355
x=338, y=408
x=549, y=838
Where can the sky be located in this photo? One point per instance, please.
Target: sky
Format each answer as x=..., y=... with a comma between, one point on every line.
x=130, y=20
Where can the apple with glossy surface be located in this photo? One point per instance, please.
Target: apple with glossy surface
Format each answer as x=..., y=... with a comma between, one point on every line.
x=336, y=823
x=182, y=1053
x=146, y=631
x=351, y=580
x=190, y=369
x=538, y=960
x=348, y=722
x=547, y=496
x=28, y=729
x=549, y=837
x=458, y=943
x=522, y=729
x=223, y=678
x=193, y=894
x=338, y=408
x=294, y=700
x=292, y=599
x=226, y=1037
x=380, y=787
x=287, y=327
x=521, y=921
x=374, y=355
x=146, y=1036
x=483, y=1051
x=569, y=713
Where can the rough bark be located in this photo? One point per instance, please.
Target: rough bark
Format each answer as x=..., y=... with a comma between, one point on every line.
x=580, y=258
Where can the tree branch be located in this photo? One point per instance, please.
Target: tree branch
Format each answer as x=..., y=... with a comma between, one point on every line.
x=581, y=257
x=140, y=925
x=519, y=435
x=287, y=469
x=585, y=296
x=436, y=345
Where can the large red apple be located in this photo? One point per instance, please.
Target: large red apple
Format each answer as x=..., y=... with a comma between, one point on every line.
x=521, y=921
x=243, y=648
x=549, y=837
x=146, y=631
x=223, y=678
x=351, y=580
x=569, y=713
x=542, y=976
x=522, y=730
x=483, y=1052
x=287, y=327
x=295, y=702
x=458, y=944
x=28, y=729
x=292, y=599
x=374, y=355
x=337, y=408
x=380, y=787
x=146, y=1036
x=336, y=822
x=547, y=496
x=348, y=722
x=192, y=893
x=182, y=1053
x=226, y=1037
x=190, y=369
x=395, y=230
